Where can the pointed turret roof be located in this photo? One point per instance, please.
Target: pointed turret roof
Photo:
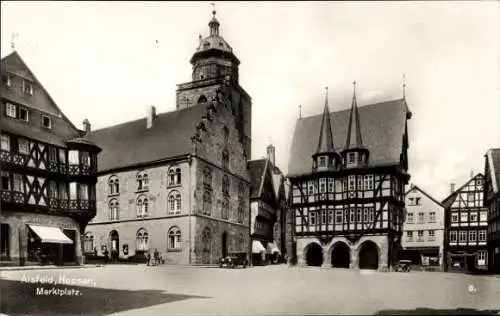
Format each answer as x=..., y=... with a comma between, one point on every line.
x=354, y=139
x=325, y=144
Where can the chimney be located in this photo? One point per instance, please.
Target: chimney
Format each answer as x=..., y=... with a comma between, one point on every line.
x=86, y=126
x=151, y=115
x=452, y=187
x=271, y=154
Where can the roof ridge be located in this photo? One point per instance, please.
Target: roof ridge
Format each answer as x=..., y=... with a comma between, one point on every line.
x=348, y=109
x=425, y=193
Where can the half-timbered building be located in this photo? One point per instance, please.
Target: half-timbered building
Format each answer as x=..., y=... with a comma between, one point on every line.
x=177, y=182
x=347, y=172
x=492, y=202
x=48, y=173
x=423, y=230
x=466, y=222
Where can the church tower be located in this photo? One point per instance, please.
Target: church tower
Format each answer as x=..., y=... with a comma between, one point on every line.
x=215, y=70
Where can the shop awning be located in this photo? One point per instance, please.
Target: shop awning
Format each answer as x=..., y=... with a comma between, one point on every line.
x=50, y=234
x=272, y=248
x=257, y=247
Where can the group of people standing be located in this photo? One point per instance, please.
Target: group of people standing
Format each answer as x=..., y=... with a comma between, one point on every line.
x=154, y=260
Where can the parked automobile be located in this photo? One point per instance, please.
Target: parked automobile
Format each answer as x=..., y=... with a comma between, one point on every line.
x=403, y=266
x=234, y=260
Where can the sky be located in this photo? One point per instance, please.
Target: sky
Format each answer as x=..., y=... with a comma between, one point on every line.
x=108, y=61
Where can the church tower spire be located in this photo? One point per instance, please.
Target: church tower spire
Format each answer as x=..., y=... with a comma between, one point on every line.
x=354, y=153
x=325, y=157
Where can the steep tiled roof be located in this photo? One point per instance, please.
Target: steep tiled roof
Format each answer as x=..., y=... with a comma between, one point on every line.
x=131, y=143
x=493, y=158
x=424, y=193
x=256, y=170
x=448, y=201
x=382, y=125
x=62, y=128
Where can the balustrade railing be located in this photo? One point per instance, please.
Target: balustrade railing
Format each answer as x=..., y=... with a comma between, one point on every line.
x=13, y=158
x=8, y=196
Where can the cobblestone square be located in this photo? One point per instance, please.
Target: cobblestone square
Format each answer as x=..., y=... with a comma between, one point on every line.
x=268, y=290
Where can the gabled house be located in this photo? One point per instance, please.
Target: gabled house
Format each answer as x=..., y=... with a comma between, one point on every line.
x=48, y=173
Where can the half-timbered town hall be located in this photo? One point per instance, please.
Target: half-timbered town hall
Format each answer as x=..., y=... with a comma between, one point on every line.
x=347, y=171
x=177, y=182
x=48, y=173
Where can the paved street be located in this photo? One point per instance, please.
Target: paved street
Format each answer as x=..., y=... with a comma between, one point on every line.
x=168, y=290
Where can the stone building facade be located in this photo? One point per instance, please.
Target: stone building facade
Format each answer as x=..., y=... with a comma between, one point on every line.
x=194, y=163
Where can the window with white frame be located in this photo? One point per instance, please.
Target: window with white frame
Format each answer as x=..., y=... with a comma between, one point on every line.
x=63, y=191
x=142, y=240
x=420, y=234
x=482, y=257
x=62, y=155
x=352, y=183
x=27, y=87
x=114, y=209
x=360, y=183
x=142, y=205
x=6, y=80
x=330, y=216
x=371, y=212
x=18, y=182
x=462, y=236
x=473, y=235
x=24, y=114
x=174, y=202
x=453, y=236
x=73, y=193
x=473, y=217
x=10, y=110
x=432, y=235
x=421, y=217
x=331, y=183
x=312, y=217
x=142, y=181
x=432, y=217
x=366, y=214
x=322, y=161
x=454, y=217
x=409, y=218
x=73, y=157
x=323, y=217
x=351, y=158
x=463, y=217
x=482, y=235
x=174, y=238
x=359, y=215
x=46, y=121
x=409, y=235
x=5, y=142
x=338, y=217
x=368, y=182
x=113, y=185
x=310, y=188
x=83, y=191
x=352, y=215
x=322, y=185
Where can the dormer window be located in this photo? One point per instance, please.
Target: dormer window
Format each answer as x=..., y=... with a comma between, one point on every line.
x=351, y=158
x=322, y=161
x=206, y=45
x=6, y=80
x=27, y=87
x=46, y=121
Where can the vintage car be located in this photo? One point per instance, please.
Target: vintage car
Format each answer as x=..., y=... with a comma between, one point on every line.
x=234, y=260
x=403, y=266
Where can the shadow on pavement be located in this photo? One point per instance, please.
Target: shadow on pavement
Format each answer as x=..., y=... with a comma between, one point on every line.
x=432, y=311
x=20, y=298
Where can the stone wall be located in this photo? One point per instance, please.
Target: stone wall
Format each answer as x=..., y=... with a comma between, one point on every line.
x=381, y=241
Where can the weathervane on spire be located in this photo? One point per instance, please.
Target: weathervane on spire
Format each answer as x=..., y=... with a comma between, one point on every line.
x=354, y=88
x=213, y=9
x=300, y=111
x=326, y=95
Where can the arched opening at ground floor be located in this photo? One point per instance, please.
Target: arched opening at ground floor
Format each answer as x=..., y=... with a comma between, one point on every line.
x=341, y=255
x=314, y=255
x=368, y=256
